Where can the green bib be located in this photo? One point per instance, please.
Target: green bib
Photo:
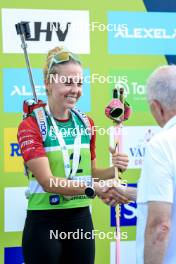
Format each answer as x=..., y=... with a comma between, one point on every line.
x=41, y=200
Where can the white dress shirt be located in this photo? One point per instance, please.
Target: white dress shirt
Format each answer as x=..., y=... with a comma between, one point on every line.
x=158, y=183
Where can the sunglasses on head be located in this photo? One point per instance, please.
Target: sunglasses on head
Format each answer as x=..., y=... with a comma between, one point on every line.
x=61, y=57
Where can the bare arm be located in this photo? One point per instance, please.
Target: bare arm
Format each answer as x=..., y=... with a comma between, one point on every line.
x=101, y=174
x=119, y=160
x=129, y=192
x=157, y=232
x=41, y=170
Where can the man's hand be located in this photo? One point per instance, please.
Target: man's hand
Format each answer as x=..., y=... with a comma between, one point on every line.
x=112, y=197
x=119, y=160
x=110, y=192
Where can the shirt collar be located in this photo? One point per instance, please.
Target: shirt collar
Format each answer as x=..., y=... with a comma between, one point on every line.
x=170, y=123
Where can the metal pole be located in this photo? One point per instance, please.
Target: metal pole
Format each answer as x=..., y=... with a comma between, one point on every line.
x=23, y=30
x=118, y=110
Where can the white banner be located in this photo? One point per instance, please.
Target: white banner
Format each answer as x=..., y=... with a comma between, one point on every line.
x=135, y=139
x=49, y=28
x=15, y=206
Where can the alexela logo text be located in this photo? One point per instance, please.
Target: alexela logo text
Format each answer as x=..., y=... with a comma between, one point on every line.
x=24, y=91
x=123, y=31
x=142, y=33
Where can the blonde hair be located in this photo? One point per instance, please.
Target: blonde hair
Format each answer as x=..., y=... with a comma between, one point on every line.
x=50, y=55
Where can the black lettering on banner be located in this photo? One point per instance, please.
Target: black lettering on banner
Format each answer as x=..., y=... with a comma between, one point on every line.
x=61, y=35
x=78, y=170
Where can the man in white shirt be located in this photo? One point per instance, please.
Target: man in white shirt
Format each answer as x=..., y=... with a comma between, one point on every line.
x=156, y=194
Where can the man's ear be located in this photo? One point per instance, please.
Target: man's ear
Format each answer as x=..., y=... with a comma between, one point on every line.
x=158, y=112
x=158, y=107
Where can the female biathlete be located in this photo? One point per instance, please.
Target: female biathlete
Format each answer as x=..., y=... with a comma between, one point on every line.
x=58, y=149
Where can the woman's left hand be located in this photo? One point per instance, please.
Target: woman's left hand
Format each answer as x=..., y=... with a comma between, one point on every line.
x=119, y=160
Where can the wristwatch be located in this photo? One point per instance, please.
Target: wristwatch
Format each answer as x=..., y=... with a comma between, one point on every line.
x=90, y=191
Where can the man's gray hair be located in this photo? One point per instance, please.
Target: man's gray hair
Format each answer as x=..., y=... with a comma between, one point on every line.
x=161, y=86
